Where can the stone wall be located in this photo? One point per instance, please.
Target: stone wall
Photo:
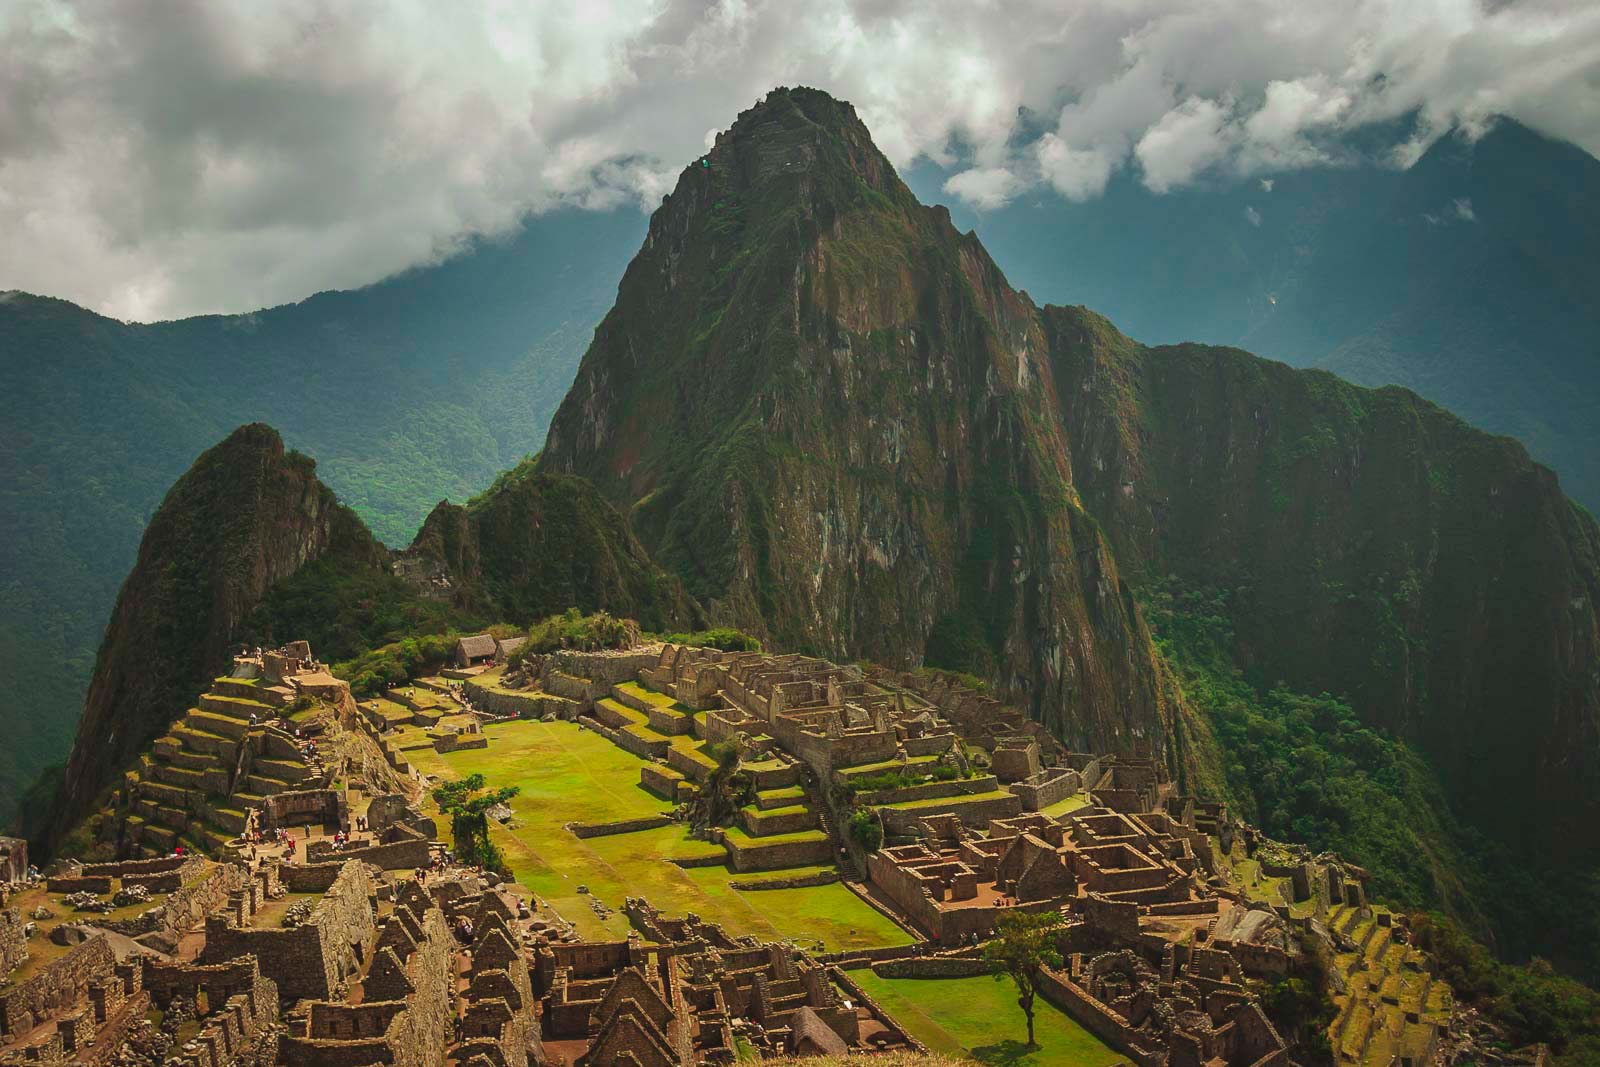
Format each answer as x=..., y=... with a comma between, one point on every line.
x=56, y=987
x=934, y=967
x=973, y=813
x=1096, y=1018
x=626, y=826
x=394, y=856
x=1046, y=788
x=406, y=1033
x=13, y=940
x=314, y=959
x=983, y=783
x=300, y=807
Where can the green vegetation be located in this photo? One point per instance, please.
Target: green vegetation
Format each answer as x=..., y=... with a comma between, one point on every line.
x=901, y=779
x=397, y=662
x=865, y=829
x=1530, y=1002
x=575, y=630
x=467, y=801
x=973, y=1019
x=1024, y=942
x=723, y=637
x=570, y=775
x=1304, y=769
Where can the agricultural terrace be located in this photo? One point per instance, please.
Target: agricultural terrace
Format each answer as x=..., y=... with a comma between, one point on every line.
x=571, y=775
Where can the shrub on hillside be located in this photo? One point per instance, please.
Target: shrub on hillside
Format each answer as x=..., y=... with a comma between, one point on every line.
x=725, y=638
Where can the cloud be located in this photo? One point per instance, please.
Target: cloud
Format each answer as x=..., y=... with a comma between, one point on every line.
x=168, y=157
x=1252, y=216
x=985, y=188
x=1188, y=139
x=1462, y=208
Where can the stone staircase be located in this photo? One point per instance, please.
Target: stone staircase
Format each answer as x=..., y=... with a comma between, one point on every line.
x=199, y=781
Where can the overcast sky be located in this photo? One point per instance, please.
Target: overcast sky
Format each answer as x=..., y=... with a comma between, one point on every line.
x=169, y=158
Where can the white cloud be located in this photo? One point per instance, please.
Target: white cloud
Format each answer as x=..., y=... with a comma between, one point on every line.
x=1188, y=139
x=1462, y=208
x=167, y=157
x=985, y=188
x=1076, y=173
x=1252, y=216
x=1267, y=184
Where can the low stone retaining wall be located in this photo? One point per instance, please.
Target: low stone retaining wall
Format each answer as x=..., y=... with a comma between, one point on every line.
x=973, y=812
x=394, y=856
x=626, y=826
x=985, y=783
x=800, y=881
x=699, y=861
x=67, y=883
x=531, y=705
x=661, y=781
x=934, y=967
x=638, y=746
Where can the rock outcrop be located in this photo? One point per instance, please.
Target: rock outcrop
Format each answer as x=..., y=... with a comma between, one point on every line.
x=826, y=410
x=247, y=515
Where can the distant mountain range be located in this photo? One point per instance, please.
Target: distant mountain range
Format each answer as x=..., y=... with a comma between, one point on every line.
x=1468, y=277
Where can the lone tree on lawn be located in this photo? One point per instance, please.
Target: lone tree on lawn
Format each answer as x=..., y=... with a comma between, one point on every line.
x=467, y=804
x=1024, y=941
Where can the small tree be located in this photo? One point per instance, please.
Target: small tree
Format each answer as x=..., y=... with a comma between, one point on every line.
x=467, y=803
x=865, y=829
x=1024, y=942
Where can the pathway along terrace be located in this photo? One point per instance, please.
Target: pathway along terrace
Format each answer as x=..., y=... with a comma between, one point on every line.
x=628, y=939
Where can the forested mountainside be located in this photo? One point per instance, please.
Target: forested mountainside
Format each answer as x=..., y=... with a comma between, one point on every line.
x=829, y=413
x=422, y=387
x=249, y=546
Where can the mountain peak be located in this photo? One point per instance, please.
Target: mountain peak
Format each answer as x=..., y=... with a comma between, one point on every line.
x=797, y=146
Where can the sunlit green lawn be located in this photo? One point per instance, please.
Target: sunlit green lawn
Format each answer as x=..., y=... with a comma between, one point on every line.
x=979, y=1017
x=568, y=774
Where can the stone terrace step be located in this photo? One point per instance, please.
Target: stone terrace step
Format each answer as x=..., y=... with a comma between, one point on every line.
x=690, y=762
x=230, y=819
x=234, y=707
x=768, y=799
x=204, y=742
x=167, y=795
x=617, y=715
x=776, y=821
x=191, y=761
x=182, y=777
x=282, y=769
x=212, y=723
x=243, y=688
x=264, y=786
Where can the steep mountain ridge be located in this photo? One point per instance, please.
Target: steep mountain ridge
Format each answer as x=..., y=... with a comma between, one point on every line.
x=247, y=515
x=827, y=410
x=1373, y=545
x=830, y=415
x=250, y=546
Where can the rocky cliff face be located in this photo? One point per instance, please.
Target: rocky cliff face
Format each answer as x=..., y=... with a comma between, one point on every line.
x=247, y=515
x=828, y=412
x=1373, y=545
